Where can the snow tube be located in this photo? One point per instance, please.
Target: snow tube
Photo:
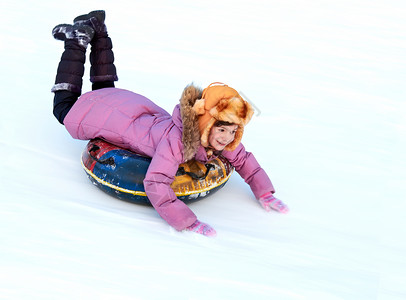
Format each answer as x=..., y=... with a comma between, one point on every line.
x=120, y=173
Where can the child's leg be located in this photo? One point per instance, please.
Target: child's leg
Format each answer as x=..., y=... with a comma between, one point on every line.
x=68, y=81
x=63, y=102
x=102, y=71
x=102, y=85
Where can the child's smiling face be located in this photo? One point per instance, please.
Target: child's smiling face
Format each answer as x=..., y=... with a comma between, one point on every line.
x=221, y=136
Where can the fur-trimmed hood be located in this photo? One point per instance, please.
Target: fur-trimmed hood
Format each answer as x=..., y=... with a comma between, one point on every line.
x=190, y=123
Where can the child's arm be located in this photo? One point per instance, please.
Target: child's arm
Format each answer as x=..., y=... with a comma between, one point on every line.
x=247, y=166
x=160, y=175
x=157, y=184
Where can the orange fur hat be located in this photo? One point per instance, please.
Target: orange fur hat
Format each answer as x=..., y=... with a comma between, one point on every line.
x=222, y=103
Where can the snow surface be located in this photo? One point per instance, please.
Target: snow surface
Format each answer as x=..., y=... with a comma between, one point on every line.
x=328, y=81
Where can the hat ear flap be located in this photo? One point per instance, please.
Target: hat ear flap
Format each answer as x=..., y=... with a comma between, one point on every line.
x=248, y=114
x=198, y=107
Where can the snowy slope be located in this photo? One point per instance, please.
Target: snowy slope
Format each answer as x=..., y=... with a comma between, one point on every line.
x=327, y=79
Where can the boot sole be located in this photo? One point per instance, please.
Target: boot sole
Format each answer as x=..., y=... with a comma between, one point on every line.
x=59, y=31
x=98, y=14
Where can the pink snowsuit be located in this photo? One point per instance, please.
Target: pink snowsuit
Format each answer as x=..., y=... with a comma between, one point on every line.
x=132, y=121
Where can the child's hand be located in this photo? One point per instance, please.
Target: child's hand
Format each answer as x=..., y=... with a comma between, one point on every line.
x=268, y=202
x=202, y=228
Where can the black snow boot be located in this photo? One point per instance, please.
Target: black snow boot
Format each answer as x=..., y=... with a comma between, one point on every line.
x=81, y=33
x=103, y=72
x=102, y=68
x=71, y=67
x=95, y=19
x=69, y=77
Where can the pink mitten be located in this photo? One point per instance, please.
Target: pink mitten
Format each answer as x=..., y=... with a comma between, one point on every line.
x=202, y=228
x=268, y=201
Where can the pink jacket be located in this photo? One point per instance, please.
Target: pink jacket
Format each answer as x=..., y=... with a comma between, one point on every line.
x=132, y=121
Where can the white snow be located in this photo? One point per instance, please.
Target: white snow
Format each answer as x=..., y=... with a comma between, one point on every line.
x=328, y=78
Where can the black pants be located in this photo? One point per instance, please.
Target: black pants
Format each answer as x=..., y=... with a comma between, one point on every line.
x=64, y=100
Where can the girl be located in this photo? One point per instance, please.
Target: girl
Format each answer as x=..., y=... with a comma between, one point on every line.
x=204, y=125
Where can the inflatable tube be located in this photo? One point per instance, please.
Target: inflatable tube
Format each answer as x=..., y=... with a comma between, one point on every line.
x=120, y=172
